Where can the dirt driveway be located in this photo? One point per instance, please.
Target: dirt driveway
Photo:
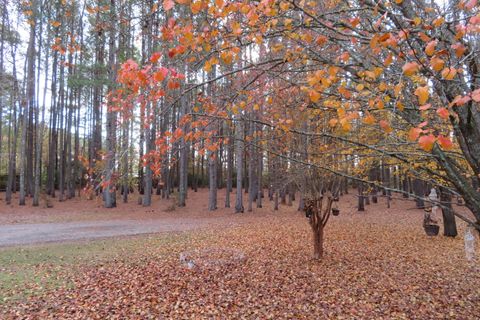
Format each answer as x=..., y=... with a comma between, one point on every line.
x=23, y=234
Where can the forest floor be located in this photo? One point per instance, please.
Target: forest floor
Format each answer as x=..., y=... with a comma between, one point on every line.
x=378, y=264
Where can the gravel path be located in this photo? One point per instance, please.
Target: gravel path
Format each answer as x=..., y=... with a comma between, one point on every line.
x=23, y=234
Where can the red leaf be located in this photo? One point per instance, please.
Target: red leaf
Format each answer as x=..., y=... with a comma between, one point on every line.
x=168, y=4
x=445, y=142
x=155, y=57
x=443, y=113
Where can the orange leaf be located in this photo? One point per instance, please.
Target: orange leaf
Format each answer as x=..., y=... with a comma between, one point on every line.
x=159, y=76
x=385, y=126
x=388, y=60
x=426, y=142
x=410, y=68
x=459, y=49
x=414, y=133
x=333, y=122
x=430, y=48
x=196, y=7
x=437, y=63
x=422, y=94
x=314, y=96
x=449, y=73
x=369, y=119
x=438, y=22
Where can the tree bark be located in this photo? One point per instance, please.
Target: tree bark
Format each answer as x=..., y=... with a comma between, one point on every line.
x=449, y=223
x=239, y=140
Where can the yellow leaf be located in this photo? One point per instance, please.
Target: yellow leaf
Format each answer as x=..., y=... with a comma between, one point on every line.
x=378, y=71
x=383, y=86
x=207, y=67
x=370, y=74
x=400, y=106
x=227, y=57
x=422, y=94
x=438, y=22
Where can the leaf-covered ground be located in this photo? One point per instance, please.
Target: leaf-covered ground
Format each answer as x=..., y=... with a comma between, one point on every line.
x=378, y=264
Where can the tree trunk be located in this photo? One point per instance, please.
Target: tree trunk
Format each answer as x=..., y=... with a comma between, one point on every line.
x=182, y=194
x=239, y=140
x=251, y=164
x=318, y=242
x=259, y=177
x=419, y=191
x=230, y=156
x=361, y=203
x=449, y=223
x=111, y=141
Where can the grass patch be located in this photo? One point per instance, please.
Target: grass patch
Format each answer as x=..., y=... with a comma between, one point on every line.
x=26, y=271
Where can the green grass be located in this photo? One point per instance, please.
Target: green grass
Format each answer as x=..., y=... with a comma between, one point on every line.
x=31, y=270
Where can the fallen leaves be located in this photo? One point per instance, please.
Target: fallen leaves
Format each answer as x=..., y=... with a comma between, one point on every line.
x=373, y=268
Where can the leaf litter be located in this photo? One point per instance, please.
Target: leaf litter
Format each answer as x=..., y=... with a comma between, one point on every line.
x=378, y=264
